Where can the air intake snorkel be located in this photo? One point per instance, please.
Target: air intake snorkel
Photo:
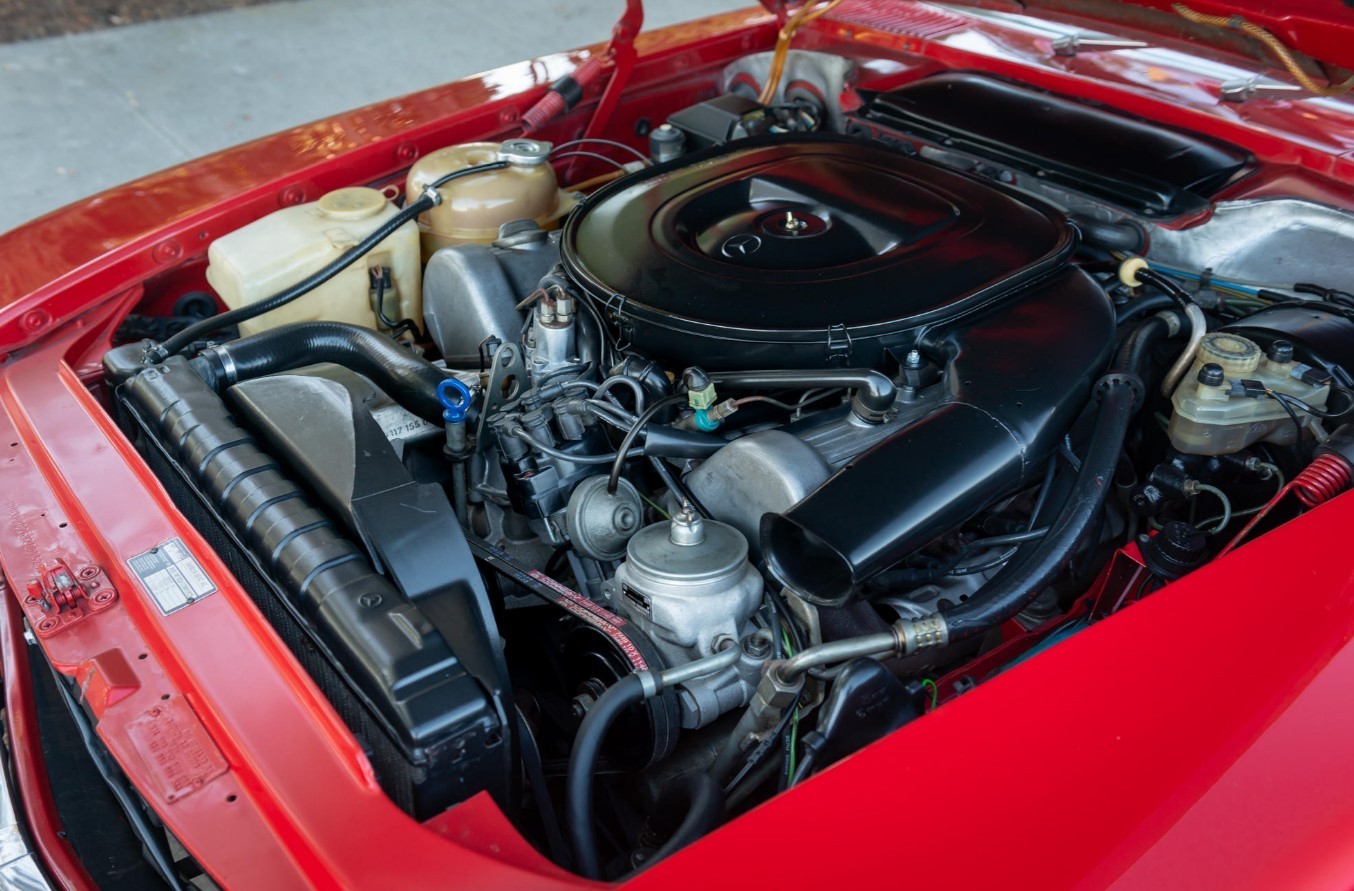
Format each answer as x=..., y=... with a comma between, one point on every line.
x=1016, y=378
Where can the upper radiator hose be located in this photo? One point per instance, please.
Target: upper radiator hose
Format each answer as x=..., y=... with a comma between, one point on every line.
x=1017, y=377
x=408, y=379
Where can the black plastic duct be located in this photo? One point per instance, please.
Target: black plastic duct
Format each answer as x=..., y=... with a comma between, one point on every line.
x=1016, y=376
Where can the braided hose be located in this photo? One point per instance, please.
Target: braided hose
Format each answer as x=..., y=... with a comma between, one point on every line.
x=1276, y=46
x=805, y=14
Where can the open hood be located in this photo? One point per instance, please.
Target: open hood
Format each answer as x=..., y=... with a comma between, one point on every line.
x=1319, y=32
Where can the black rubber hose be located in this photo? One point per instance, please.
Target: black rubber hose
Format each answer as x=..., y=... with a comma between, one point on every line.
x=626, y=692
x=1166, y=285
x=705, y=810
x=1138, y=346
x=1126, y=237
x=648, y=415
x=1120, y=394
x=187, y=336
x=1142, y=306
x=408, y=379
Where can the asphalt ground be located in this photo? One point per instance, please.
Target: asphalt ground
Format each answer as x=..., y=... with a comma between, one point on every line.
x=82, y=112
x=31, y=19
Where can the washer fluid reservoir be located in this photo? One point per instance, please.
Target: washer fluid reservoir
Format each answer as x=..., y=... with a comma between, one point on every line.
x=277, y=251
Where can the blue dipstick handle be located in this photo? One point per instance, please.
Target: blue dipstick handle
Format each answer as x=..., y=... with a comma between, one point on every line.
x=455, y=399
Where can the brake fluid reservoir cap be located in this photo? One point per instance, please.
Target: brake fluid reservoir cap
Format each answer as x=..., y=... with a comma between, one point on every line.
x=1235, y=354
x=356, y=203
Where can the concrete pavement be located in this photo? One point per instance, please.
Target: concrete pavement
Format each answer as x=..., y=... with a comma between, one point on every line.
x=79, y=114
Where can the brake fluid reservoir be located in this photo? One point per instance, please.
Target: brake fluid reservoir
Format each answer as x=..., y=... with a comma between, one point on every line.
x=277, y=251
x=1220, y=406
x=473, y=207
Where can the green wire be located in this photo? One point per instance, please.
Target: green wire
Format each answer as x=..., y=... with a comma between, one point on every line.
x=794, y=721
x=655, y=506
x=935, y=691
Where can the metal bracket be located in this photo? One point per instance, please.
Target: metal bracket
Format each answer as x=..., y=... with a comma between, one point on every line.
x=1070, y=44
x=507, y=380
x=59, y=597
x=1244, y=88
x=838, y=346
x=615, y=306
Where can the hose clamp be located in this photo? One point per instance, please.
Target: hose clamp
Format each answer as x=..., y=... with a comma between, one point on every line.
x=228, y=366
x=866, y=414
x=154, y=353
x=1172, y=320
x=926, y=633
x=432, y=194
x=1116, y=379
x=649, y=683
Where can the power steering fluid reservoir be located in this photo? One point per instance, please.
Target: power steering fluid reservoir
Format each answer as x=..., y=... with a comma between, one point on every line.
x=687, y=583
x=473, y=207
x=279, y=250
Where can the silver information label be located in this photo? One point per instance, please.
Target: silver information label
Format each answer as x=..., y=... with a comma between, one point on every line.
x=172, y=576
x=398, y=423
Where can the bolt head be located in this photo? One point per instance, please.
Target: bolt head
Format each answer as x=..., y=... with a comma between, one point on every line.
x=757, y=646
x=580, y=705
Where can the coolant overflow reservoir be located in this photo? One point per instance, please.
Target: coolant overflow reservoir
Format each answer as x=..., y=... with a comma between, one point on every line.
x=473, y=207
x=277, y=251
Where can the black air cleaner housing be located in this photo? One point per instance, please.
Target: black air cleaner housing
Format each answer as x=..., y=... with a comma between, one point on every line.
x=802, y=251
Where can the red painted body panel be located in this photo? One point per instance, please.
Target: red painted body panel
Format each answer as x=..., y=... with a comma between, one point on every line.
x=1201, y=738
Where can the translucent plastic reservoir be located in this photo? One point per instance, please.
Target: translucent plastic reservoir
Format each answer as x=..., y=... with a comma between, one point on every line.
x=475, y=206
x=1213, y=420
x=270, y=254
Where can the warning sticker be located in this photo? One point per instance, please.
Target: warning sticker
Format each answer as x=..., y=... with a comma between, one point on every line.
x=171, y=575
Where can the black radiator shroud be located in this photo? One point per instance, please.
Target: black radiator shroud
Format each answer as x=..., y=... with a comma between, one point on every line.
x=422, y=685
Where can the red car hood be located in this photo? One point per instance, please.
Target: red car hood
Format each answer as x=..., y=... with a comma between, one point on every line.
x=1199, y=739
x=1320, y=29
